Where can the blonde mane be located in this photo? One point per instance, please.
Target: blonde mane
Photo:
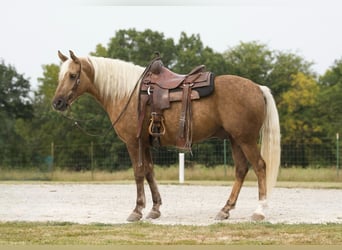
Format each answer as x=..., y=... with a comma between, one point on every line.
x=115, y=78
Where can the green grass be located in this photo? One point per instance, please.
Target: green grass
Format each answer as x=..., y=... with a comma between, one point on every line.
x=198, y=173
x=25, y=233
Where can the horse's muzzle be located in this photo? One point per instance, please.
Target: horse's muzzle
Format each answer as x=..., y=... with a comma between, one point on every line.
x=60, y=104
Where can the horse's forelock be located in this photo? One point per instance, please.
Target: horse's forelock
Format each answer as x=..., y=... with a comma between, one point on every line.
x=64, y=69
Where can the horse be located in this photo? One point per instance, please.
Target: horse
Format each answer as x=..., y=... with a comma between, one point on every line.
x=238, y=109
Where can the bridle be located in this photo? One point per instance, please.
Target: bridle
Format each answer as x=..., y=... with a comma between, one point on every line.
x=77, y=80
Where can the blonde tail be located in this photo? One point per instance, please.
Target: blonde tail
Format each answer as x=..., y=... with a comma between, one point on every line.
x=270, y=140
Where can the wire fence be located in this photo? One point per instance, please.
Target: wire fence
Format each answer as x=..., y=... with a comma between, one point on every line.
x=112, y=157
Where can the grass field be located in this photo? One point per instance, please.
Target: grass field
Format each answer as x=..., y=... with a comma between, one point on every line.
x=143, y=233
x=288, y=177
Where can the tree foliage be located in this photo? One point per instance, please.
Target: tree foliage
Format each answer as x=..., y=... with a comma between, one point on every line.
x=138, y=47
x=14, y=93
x=300, y=125
x=252, y=60
x=330, y=98
x=15, y=103
x=299, y=104
x=191, y=52
x=284, y=67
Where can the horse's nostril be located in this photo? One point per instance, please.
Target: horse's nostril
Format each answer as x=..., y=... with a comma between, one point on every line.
x=59, y=104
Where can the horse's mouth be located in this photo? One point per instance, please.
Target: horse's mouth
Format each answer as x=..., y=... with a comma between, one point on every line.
x=60, y=103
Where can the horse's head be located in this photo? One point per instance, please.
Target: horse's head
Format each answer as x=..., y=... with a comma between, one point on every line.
x=73, y=81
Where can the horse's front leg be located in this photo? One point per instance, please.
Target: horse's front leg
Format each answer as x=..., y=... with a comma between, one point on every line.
x=139, y=176
x=149, y=174
x=140, y=172
x=136, y=215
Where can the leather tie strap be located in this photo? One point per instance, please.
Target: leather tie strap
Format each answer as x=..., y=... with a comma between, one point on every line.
x=184, y=138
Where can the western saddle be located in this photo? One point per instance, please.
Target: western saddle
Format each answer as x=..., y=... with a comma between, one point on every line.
x=159, y=87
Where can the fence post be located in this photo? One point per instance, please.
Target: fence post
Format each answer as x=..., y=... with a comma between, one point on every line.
x=181, y=167
x=337, y=153
x=225, y=156
x=92, y=160
x=52, y=159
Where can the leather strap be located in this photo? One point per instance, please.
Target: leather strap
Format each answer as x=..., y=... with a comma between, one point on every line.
x=142, y=112
x=184, y=138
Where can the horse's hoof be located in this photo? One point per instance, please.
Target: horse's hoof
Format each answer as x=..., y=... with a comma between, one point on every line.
x=153, y=215
x=134, y=216
x=222, y=216
x=258, y=216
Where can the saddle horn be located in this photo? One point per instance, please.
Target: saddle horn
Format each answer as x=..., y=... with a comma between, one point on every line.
x=157, y=64
x=156, y=67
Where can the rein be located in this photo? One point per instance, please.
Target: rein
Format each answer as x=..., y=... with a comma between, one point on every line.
x=77, y=124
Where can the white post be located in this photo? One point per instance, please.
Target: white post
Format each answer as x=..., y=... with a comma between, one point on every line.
x=181, y=167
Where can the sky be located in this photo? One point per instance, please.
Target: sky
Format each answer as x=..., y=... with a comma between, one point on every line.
x=32, y=31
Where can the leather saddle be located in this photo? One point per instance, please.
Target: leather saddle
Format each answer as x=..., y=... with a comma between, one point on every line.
x=160, y=86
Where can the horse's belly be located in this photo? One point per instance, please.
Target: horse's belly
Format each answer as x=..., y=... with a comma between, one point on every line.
x=204, y=122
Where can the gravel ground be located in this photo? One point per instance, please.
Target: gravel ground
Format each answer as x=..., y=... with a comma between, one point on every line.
x=187, y=205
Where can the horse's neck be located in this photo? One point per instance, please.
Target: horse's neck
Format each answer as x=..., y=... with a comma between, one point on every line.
x=115, y=78
x=116, y=86
x=116, y=108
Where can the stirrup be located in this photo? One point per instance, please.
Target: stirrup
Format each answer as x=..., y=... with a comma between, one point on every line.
x=153, y=122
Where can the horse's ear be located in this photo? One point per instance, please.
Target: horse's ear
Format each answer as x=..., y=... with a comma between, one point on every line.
x=62, y=57
x=73, y=57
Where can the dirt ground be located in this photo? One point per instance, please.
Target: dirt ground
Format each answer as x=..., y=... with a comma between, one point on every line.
x=182, y=204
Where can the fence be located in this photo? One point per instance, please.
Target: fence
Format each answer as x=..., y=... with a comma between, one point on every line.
x=111, y=157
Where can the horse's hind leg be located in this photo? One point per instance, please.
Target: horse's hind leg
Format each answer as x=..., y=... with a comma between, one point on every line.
x=254, y=157
x=241, y=169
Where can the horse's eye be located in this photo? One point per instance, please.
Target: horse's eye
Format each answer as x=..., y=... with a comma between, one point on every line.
x=72, y=76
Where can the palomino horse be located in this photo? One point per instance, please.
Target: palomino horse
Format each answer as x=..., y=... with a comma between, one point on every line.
x=238, y=110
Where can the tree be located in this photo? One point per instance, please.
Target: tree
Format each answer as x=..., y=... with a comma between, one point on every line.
x=330, y=108
x=190, y=52
x=300, y=127
x=15, y=103
x=285, y=65
x=43, y=127
x=252, y=60
x=300, y=102
x=138, y=47
x=14, y=93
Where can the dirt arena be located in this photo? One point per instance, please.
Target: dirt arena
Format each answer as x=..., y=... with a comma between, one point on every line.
x=182, y=204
